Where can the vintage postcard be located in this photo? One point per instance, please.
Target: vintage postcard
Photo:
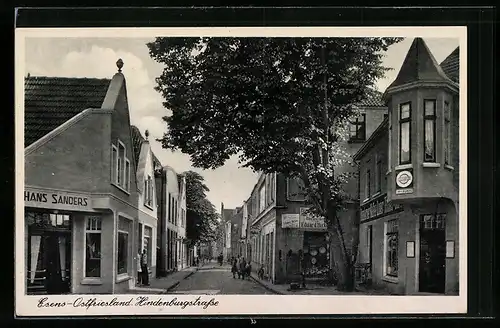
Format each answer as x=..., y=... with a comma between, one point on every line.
x=251, y=171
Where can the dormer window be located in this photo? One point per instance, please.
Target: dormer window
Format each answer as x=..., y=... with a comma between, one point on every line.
x=404, y=133
x=429, y=130
x=357, y=128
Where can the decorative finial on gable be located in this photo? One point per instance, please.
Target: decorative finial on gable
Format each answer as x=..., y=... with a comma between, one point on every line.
x=119, y=64
x=146, y=133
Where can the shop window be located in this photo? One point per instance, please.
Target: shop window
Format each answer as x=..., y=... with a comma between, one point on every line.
x=121, y=173
x=391, y=248
x=404, y=133
x=357, y=128
x=447, y=133
x=148, y=192
x=429, y=130
x=123, y=245
x=92, y=263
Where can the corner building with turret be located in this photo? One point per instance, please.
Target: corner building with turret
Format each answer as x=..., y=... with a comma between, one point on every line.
x=409, y=180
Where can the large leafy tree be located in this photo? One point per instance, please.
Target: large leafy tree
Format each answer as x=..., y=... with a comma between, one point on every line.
x=201, y=216
x=280, y=104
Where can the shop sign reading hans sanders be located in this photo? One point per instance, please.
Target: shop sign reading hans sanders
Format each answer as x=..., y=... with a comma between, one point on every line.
x=404, y=181
x=56, y=200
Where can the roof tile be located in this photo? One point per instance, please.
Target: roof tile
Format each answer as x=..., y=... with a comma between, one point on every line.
x=51, y=101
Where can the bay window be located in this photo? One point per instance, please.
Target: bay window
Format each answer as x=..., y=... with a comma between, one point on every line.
x=447, y=133
x=404, y=133
x=429, y=130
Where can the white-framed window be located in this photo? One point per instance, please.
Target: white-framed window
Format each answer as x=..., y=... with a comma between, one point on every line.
x=378, y=174
x=123, y=245
x=447, y=133
x=405, y=133
x=368, y=187
x=391, y=246
x=429, y=130
x=92, y=264
x=148, y=191
x=262, y=198
x=120, y=175
x=114, y=163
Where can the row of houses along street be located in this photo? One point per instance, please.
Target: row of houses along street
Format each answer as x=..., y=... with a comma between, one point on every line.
x=405, y=142
x=95, y=195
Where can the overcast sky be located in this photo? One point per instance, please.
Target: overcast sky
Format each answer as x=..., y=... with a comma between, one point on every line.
x=96, y=57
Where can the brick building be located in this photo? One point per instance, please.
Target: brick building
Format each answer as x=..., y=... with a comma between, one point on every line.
x=80, y=192
x=409, y=180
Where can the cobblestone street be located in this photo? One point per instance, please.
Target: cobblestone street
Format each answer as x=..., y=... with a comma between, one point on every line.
x=213, y=279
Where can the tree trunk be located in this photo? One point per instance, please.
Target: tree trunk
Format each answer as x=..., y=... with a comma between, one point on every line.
x=343, y=268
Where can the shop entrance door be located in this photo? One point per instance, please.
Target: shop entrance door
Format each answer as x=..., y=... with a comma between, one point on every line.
x=49, y=263
x=432, y=272
x=49, y=253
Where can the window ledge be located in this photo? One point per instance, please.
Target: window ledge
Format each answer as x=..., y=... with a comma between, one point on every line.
x=121, y=188
x=365, y=201
x=404, y=166
x=388, y=172
x=449, y=167
x=375, y=194
x=149, y=207
x=390, y=279
x=428, y=164
x=122, y=277
x=91, y=281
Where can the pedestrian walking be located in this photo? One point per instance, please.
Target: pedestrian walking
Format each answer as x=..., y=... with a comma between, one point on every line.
x=242, y=266
x=248, y=269
x=234, y=267
x=144, y=268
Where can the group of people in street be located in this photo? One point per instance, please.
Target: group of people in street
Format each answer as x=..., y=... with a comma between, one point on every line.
x=240, y=267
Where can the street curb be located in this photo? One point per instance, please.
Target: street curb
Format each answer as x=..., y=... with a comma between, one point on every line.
x=174, y=285
x=277, y=292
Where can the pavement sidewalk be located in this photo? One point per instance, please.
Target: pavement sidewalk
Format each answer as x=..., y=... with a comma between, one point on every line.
x=165, y=284
x=311, y=289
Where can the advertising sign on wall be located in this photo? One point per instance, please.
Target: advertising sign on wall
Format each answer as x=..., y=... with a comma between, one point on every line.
x=404, y=182
x=309, y=221
x=290, y=221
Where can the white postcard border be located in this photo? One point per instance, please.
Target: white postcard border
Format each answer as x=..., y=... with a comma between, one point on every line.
x=241, y=304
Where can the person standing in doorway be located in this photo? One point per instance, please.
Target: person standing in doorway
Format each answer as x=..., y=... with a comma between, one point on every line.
x=144, y=268
x=139, y=271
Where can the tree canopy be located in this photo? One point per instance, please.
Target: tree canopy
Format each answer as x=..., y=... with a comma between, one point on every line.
x=201, y=216
x=280, y=104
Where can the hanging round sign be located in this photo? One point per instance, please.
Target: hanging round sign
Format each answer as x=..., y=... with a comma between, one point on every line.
x=313, y=260
x=322, y=250
x=314, y=252
x=404, y=179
